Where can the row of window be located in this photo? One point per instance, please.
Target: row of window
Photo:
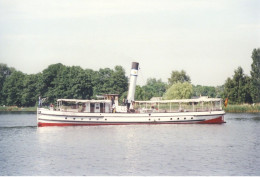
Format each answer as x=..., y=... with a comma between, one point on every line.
x=148, y=119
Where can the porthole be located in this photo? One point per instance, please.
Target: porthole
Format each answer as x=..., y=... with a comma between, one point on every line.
x=105, y=119
x=184, y=118
x=65, y=117
x=81, y=118
x=89, y=118
x=97, y=118
x=171, y=118
x=74, y=118
x=191, y=117
x=149, y=119
x=178, y=118
x=159, y=119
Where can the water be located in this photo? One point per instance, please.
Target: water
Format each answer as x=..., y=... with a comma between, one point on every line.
x=227, y=149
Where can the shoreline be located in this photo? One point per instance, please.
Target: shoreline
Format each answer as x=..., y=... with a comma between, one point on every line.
x=17, y=109
x=244, y=108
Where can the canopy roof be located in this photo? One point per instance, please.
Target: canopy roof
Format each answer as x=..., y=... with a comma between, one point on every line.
x=197, y=100
x=201, y=99
x=84, y=101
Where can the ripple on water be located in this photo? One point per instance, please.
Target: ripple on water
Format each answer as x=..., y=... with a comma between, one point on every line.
x=226, y=149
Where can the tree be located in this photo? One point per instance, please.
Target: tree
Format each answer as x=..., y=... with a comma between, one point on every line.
x=154, y=88
x=5, y=72
x=59, y=81
x=247, y=90
x=204, y=91
x=119, y=81
x=108, y=81
x=220, y=91
x=179, y=91
x=139, y=93
x=13, y=89
x=50, y=85
x=178, y=76
x=30, y=90
x=75, y=82
x=255, y=75
x=82, y=87
x=237, y=89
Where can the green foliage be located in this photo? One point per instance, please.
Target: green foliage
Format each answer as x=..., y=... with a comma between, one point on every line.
x=5, y=72
x=107, y=81
x=119, y=81
x=19, y=109
x=123, y=97
x=237, y=89
x=139, y=93
x=179, y=91
x=255, y=75
x=30, y=88
x=153, y=88
x=204, y=91
x=58, y=81
x=13, y=89
x=220, y=91
x=178, y=76
x=243, y=108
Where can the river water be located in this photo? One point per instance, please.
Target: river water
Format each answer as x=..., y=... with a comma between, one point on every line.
x=228, y=149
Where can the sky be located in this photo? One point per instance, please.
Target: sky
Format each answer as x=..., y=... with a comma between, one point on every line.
x=208, y=39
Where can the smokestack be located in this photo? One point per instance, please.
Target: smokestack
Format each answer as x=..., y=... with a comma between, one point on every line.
x=133, y=77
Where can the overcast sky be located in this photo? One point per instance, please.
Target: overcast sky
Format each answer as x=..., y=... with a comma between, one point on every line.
x=208, y=39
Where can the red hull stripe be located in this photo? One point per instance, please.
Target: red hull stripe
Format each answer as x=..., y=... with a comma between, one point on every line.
x=218, y=120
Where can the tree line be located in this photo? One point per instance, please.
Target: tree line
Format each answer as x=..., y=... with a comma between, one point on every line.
x=60, y=81
x=238, y=89
x=242, y=88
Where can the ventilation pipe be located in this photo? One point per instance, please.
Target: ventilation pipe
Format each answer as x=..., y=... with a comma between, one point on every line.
x=132, y=84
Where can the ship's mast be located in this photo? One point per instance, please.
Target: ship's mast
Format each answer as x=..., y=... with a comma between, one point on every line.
x=132, y=84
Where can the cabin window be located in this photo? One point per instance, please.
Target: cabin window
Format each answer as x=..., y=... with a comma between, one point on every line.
x=92, y=107
x=102, y=107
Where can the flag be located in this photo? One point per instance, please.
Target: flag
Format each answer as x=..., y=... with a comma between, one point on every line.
x=226, y=102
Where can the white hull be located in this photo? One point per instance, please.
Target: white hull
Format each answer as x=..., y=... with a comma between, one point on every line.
x=46, y=117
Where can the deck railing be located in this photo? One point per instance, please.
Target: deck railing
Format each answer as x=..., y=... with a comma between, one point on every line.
x=177, y=107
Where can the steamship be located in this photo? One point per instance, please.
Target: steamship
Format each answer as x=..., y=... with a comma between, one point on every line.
x=107, y=110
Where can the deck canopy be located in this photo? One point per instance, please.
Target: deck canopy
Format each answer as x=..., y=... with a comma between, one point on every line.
x=198, y=100
x=83, y=101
